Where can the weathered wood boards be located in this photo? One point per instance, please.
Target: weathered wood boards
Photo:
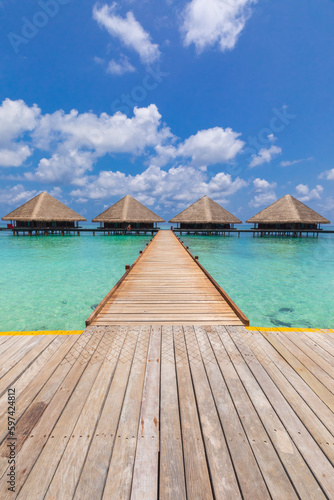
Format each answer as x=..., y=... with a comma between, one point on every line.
x=167, y=286
x=171, y=412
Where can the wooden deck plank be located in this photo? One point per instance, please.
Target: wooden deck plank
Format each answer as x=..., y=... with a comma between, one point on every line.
x=37, y=384
x=3, y=339
x=310, y=348
x=10, y=344
x=314, y=457
x=119, y=479
x=320, y=409
x=145, y=472
x=303, y=370
x=254, y=436
x=320, y=433
x=27, y=362
x=58, y=433
x=95, y=469
x=322, y=340
x=224, y=481
x=17, y=352
x=196, y=468
x=311, y=360
x=297, y=469
x=67, y=475
x=172, y=478
x=255, y=461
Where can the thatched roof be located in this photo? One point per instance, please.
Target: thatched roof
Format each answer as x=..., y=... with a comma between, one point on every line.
x=128, y=210
x=288, y=210
x=204, y=211
x=43, y=207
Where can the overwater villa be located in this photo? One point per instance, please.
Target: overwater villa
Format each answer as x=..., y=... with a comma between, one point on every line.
x=287, y=216
x=128, y=215
x=205, y=216
x=43, y=213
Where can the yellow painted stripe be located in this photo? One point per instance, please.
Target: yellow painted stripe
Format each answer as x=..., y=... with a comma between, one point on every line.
x=284, y=329
x=44, y=332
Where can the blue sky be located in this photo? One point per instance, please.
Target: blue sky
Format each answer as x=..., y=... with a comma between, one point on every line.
x=167, y=101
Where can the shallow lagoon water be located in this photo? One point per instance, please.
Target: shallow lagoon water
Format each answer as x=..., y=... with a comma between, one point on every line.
x=54, y=282
x=276, y=281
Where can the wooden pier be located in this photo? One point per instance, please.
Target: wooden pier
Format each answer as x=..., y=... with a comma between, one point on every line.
x=167, y=285
x=169, y=412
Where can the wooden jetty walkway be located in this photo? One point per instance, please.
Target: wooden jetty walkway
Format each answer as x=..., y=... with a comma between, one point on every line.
x=167, y=285
x=169, y=412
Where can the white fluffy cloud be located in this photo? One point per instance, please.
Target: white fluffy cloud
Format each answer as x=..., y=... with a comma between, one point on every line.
x=306, y=194
x=80, y=139
x=15, y=156
x=69, y=168
x=120, y=67
x=215, y=145
x=265, y=193
x=265, y=155
x=206, y=147
x=207, y=22
x=174, y=187
x=16, y=195
x=105, y=133
x=128, y=30
x=329, y=175
x=16, y=118
x=73, y=142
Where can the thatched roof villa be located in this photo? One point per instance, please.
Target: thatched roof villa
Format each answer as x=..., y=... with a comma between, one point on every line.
x=205, y=215
x=128, y=214
x=288, y=214
x=44, y=212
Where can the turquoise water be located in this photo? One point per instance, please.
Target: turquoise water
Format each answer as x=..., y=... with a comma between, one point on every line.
x=54, y=283
x=275, y=281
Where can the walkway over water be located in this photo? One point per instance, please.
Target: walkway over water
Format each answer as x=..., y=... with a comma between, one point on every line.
x=169, y=412
x=167, y=285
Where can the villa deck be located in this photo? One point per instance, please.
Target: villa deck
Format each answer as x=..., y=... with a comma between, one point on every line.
x=170, y=412
x=167, y=285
